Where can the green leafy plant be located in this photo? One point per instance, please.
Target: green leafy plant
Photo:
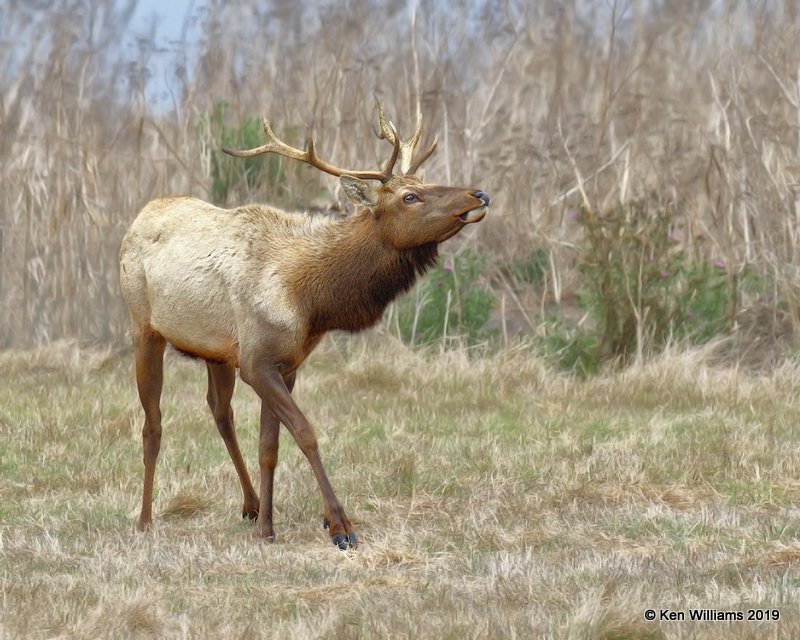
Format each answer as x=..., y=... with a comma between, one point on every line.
x=573, y=349
x=449, y=302
x=533, y=269
x=228, y=174
x=641, y=289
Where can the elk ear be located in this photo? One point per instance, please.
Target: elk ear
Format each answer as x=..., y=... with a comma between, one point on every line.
x=359, y=191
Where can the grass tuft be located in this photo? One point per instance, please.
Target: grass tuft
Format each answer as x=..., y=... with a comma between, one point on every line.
x=185, y=505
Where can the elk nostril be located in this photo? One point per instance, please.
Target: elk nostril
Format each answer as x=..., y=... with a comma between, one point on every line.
x=483, y=197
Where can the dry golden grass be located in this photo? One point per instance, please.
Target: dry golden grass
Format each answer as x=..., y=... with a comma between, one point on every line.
x=492, y=497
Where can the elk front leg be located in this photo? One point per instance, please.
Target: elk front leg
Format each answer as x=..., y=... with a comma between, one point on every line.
x=269, y=384
x=149, y=358
x=221, y=381
x=267, y=461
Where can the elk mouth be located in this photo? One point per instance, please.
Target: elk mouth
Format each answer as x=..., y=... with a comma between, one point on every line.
x=473, y=215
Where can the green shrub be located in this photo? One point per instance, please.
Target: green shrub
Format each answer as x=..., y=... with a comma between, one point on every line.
x=641, y=289
x=573, y=349
x=449, y=302
x=531, y=270
x=230, y=175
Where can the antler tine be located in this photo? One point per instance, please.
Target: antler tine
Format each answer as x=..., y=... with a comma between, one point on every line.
x=309, y=156
x=386, y=132
x=310, y=149
x=408, y=165
x=273, y=145
x=422, y=158
x=387, y=170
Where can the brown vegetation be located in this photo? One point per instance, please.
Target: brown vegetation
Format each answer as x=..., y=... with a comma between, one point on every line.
x=550, y=104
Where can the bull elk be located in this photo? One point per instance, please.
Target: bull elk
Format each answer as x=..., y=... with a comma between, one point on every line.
x=256, y=288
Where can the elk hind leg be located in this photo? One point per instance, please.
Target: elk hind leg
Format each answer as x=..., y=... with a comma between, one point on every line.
x=149, y=359
x=267, y=461
x=221, y=381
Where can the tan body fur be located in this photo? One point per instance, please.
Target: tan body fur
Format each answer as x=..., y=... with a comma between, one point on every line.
x=188, y=273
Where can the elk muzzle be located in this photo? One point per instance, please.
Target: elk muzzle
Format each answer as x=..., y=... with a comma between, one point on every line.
x=477, y=213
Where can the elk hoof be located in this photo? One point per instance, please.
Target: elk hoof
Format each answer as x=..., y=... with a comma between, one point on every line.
x=266, y=535
x=142, y=527
x=251, y=514
x=345, y=542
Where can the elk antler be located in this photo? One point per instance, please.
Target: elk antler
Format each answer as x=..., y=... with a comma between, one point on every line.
x=407, y=148
x=309, y=156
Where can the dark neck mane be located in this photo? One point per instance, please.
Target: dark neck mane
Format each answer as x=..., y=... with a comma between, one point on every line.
x=352, y=276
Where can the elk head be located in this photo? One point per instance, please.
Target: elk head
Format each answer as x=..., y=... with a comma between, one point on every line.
x=407, y=213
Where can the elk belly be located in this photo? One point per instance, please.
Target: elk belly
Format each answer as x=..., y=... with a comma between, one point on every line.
x=191, y=308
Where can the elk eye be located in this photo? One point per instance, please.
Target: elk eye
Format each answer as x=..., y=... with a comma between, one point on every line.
x=409, y=198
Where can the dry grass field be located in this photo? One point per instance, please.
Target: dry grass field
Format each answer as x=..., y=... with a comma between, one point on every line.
x=493, y=499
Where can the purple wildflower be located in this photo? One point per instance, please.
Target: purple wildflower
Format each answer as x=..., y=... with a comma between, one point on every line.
x=448, y=267
x=719, y=264
x=664, y=274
